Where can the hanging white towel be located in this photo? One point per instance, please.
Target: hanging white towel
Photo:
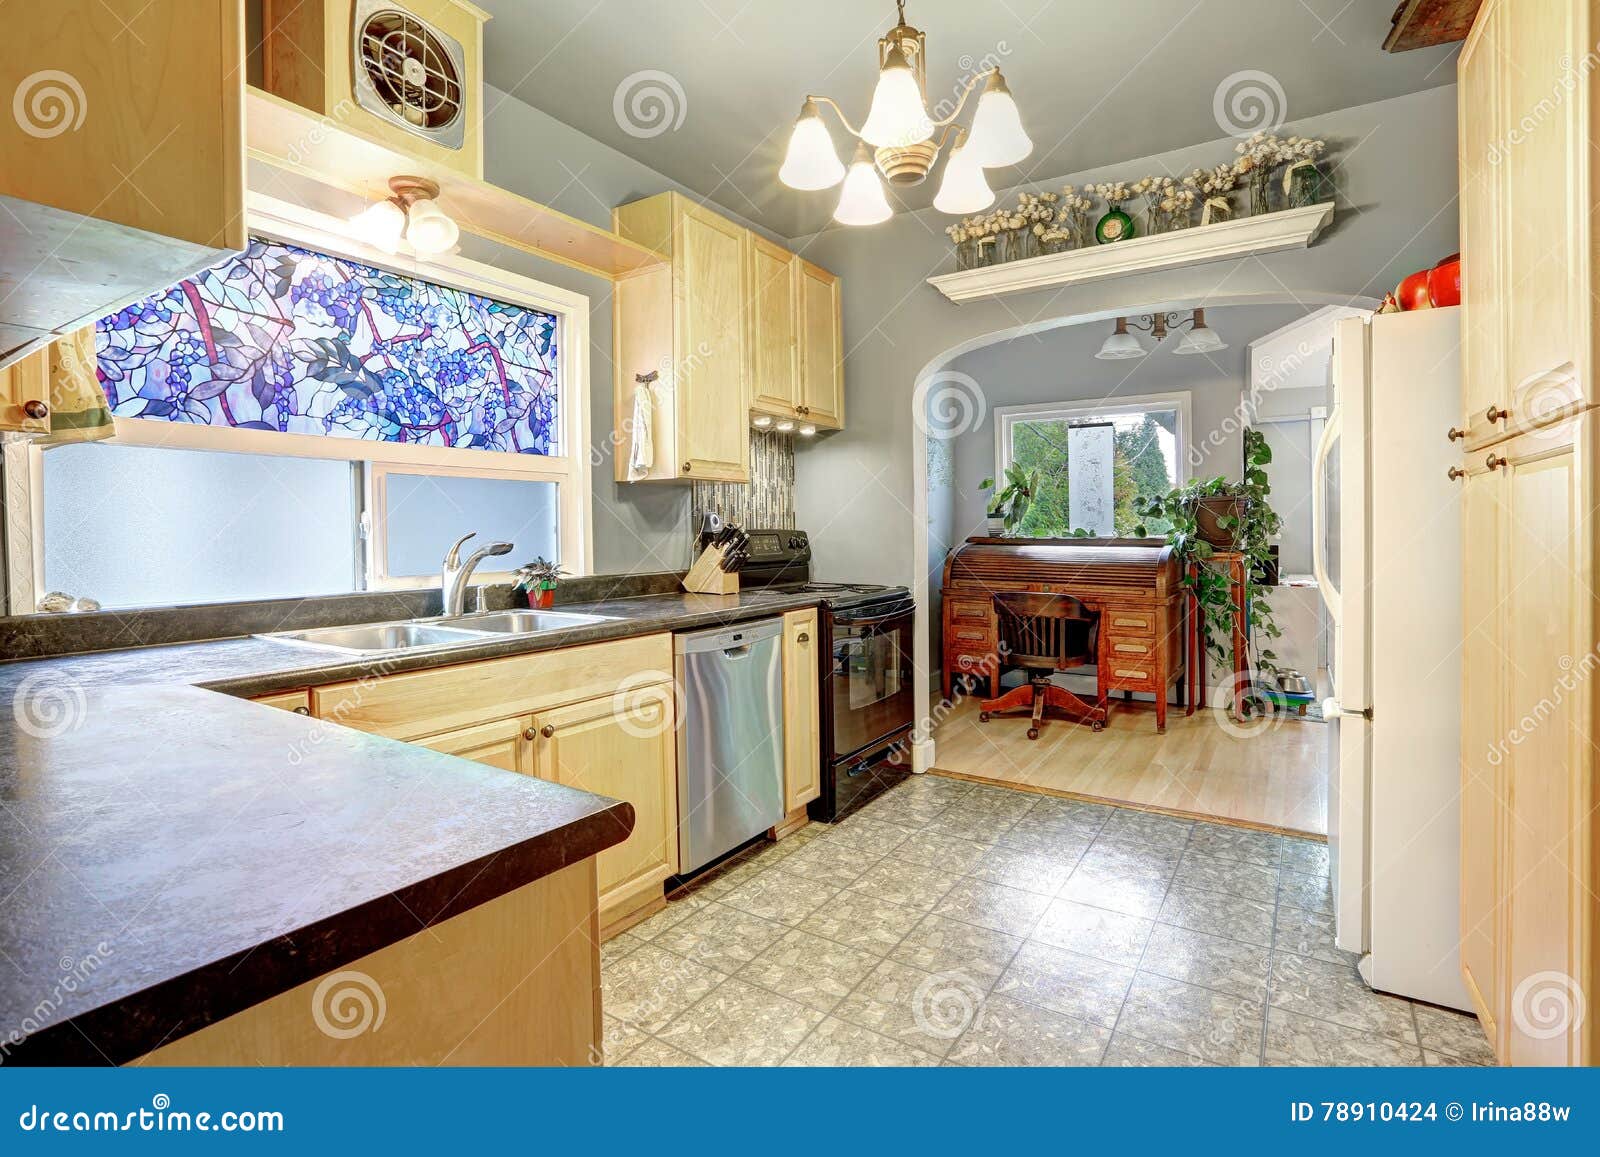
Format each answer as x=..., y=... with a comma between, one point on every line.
x=642, y=456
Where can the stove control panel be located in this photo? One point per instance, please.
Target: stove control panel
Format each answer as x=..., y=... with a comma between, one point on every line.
x=778, y=548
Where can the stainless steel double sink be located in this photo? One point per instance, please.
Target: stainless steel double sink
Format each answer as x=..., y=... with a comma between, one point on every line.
x=414, y=635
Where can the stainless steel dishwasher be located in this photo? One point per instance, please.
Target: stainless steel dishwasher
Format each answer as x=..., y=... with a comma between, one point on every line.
x=730, y=746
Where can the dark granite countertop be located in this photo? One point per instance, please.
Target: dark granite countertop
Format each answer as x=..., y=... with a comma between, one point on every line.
x=173, y=855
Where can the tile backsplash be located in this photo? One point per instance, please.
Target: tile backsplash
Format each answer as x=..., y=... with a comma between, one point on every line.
x=767, y=500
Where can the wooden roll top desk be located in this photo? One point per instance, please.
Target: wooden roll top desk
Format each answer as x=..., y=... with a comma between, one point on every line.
x=1135, y=584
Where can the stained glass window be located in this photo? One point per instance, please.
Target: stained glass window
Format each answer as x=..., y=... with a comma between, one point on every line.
x=282, y=338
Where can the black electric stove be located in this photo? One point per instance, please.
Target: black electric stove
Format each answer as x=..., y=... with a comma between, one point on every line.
x=868, y=707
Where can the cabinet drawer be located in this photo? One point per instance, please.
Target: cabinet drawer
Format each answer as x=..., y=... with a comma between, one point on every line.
x=1130, y=649
x=971, y=638
x=975, y=663
x=296, y=701
x=421, y=703
x=1129, y=622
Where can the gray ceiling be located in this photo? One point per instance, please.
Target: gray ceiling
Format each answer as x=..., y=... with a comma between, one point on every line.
x=1098, y=81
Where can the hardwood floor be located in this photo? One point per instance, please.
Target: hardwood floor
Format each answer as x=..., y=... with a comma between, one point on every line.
x=1275, y=777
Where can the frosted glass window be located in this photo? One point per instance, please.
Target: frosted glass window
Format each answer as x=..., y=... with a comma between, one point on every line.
x=425, y=513
x=137, y=526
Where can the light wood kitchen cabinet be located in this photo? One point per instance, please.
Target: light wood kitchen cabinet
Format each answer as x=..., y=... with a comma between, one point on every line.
x=802, y=759
x=1530, y=841
x=504, y=743
x=623, y=746
x=821, y=346
x=774, y=373
x=25, y=394
x=124, y=166
x=684, y=321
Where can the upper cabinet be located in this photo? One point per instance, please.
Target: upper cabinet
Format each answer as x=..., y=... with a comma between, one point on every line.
x=682, y=326
x=408, y=75
x=124, y=163
x=732, y=326
x=821, y=346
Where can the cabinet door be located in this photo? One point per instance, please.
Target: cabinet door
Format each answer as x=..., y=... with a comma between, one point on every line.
x=1483, y=751
x=1544, y=209
x=502, y=744
x=297, y=701
x=713, y=423
x=1545, y=893
x=774, y=358
x=821, y=346
x=802, y=756
x=1483, y=331
x=625, y=747
x=25, y=392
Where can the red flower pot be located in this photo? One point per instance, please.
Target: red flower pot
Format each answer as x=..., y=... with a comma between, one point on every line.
x=540, y=598
x=1444, y=282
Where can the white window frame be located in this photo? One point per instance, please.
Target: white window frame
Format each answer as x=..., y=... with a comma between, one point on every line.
x=1005, y=417
x=570, y=470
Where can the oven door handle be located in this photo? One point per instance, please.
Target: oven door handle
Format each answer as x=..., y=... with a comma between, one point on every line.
x=872, y=620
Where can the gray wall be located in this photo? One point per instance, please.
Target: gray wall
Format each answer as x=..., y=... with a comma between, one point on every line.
x=637, y=527
x=1397, y=187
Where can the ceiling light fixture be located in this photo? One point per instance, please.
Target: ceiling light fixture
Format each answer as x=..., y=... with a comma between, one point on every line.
x=898, y=137
x=1201, y=338
x=410, y=213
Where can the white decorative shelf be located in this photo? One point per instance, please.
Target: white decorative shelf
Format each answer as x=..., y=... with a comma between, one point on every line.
x=1197, y=245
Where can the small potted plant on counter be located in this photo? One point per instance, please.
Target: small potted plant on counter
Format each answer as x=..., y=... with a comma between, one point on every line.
x=539, y=580
x=1011, y=502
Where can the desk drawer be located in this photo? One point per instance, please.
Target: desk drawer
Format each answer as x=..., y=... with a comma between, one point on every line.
x=970, y=637
x=1127, y=648
x=969, y=610
x=1129, y=623
x=1127, y=675
x=983, y=663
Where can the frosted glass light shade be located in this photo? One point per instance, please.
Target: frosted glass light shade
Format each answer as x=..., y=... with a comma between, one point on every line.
x=997, y=138
x=1121, y=345
x=963, y=188
x=861, y=201
x=431, y=231
x=1200, y=340
x=811, y=162
x=379, y=225
x=897, y=117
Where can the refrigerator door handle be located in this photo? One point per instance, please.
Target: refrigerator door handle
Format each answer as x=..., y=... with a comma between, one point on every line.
x=1319, y=494
x=1333, y=709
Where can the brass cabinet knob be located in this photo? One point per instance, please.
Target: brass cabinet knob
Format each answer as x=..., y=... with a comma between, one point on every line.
x=36, y=409
x=1496, y=462
x=1456, y=434
x=803, y=637
x=548, y=730
x=1455, y=474
x=1496, y=414
x=686, y=466
x=302, y=711
x=530, y=735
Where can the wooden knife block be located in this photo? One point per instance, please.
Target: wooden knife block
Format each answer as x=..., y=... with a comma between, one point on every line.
x=706, y=576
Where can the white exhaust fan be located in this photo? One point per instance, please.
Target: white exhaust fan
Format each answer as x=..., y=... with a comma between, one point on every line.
x=409, y=72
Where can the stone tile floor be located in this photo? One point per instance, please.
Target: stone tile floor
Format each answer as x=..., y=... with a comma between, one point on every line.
x=961, y=924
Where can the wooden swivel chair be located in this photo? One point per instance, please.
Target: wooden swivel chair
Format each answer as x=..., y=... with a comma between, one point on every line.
x=1045, y=633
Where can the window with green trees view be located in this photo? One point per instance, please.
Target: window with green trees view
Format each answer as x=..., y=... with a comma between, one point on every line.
x=1146, y=438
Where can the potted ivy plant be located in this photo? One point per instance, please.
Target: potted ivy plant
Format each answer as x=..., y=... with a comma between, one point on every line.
x=538, y=580
x=1011, y=501
x=1224, y=514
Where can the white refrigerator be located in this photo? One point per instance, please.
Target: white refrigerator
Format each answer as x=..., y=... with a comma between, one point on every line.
x=1386, y=542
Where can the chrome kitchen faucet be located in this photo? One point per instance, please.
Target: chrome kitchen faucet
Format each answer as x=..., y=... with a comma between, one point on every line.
x=455, y=574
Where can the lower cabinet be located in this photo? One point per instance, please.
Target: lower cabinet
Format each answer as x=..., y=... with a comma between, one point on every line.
x=503, y=744
x=802, y=757
x=623, y=746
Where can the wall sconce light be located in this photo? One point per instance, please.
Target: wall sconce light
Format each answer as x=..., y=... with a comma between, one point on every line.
x=411, y=213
